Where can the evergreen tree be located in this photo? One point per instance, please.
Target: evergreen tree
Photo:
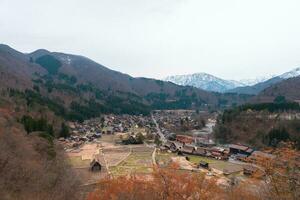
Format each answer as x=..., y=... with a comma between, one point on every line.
x=64, y=132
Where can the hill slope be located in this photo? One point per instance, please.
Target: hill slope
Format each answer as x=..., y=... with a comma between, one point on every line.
x=289, y=88
x=257, y=88
x=77, y=87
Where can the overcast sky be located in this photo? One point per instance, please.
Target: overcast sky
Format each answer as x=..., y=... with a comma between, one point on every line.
x=232, y=39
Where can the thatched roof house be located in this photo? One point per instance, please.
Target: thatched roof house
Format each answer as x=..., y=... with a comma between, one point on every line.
x=176, y=146
x=188, y=149
x=95, y=165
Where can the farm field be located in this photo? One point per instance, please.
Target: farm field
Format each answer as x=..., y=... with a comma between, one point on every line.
x=138, y=162
x=163, y=159
x=196, y=159
x=77, y=162
x=218, y=165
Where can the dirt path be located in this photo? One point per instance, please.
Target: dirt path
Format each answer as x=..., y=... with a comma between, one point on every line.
x=153, y=157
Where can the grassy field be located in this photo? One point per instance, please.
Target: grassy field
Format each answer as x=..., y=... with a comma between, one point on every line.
x=137, y=162
x=196, y=159
x=218, y=164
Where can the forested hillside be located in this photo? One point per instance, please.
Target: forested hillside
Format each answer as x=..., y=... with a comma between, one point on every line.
x=32, y=166
x=260, y=125
x=77, y=88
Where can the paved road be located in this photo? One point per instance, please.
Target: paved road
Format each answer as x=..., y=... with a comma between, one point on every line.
x=161, y=135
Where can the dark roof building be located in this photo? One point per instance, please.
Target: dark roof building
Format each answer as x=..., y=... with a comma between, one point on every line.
x=95, y=165
x=200, y=151
x=176, y=146
x=203, y=164
x=188, y=149
x=240, y=149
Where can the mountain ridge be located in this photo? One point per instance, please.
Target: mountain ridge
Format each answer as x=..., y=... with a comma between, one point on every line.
x=204, y=81
x=259, y=87
x=76, y=87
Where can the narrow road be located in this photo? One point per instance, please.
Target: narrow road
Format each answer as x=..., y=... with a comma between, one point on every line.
x=161, y=135
x=153, y=157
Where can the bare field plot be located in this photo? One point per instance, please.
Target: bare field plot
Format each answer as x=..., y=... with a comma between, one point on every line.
x=77, y=162
x=87, y=151
x=163, y=159
x=139, y=162
x=114, y=156
x=108, y=138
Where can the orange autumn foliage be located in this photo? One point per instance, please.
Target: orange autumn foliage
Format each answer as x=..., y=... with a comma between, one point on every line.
x=164, y=184
x=281, y=181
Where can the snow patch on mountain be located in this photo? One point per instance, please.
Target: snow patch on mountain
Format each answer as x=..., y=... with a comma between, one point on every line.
x=291, y=74
x=204, y=81
x=254, y=81
x=212, y=83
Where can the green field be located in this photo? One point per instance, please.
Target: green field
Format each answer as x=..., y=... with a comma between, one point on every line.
x=218, y=164
x=196, y=159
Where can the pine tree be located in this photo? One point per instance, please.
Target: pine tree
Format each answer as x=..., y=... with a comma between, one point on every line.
x=64, y=132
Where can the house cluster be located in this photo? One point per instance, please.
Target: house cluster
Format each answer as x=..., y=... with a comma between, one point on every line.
x=191, y=148
x=184, y=146
x=198, y=124
x=93, y=129
x=124, y=123
x=178, y=120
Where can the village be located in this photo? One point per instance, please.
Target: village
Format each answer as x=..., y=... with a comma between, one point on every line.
x=116, y=145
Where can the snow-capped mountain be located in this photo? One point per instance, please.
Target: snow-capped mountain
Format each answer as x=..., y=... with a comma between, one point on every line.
x=253, y=81
x=291, y=74
x=260, y=86
x=204, y=81
x=245, y=86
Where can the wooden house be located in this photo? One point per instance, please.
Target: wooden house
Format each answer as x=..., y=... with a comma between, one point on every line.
x=240, y=149
x=200, y=151
x=95, y=166
x=176, y=146
x=203, y=164
x=168, y=144
x=188, y=149
x=184, y=139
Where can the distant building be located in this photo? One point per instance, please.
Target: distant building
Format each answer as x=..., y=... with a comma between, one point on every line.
x=200, y=151
x=95, y=166
x=176, y=146
x=203, y=164
x=184, y=139
x=240, y=149
x=188, y=149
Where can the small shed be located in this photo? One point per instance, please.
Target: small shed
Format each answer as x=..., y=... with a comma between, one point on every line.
x=200, y=151
x=168, y=144
x=95, y=166
x=188, y=149
x=176, y=146
x=249, y=170
x=203, y=164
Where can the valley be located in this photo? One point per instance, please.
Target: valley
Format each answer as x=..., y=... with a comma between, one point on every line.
x=97, y=130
